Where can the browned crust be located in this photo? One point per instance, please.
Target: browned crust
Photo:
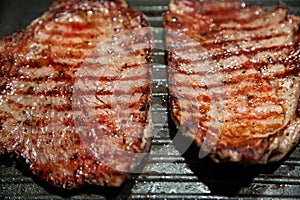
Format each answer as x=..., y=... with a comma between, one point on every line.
x=202, y=20
x=73, y=165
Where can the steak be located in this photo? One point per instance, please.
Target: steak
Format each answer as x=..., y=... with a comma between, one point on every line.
x=75, y=93
x=234, y=78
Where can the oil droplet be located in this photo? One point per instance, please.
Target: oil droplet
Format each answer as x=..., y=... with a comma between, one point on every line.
x=110, y=51
x=174, y=19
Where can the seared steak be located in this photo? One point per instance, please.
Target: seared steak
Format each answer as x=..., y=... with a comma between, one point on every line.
x=234, y=78
x=75, y=93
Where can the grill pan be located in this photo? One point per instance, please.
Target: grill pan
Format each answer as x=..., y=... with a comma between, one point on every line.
x=168, y=174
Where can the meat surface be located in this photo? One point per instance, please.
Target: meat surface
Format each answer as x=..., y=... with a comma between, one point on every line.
x=234, y=78
x=75, y=93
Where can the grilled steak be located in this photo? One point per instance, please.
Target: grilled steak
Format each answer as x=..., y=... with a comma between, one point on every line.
x=234, y=78
x=75, y=93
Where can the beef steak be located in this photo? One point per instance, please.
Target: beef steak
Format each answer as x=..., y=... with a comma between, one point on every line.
x=234, y=78
x=75, y=93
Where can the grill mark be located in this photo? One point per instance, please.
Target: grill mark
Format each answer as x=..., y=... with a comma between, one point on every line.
x=116, y=78
x=56, y=93
x=175, y=65
x=113, y=78
x=61, y=77
x=142, y=104
x=176, y=62
x=121, y=66
x=125, y=53
x=85, y=45
x=62, y=69
x=211, y=32
x=69, y=107
x=258, y=50
x=77, y=47
x=70, y=122
x=51, y=63
x=103, y=92
x=58, y=51
x=242, y=28
x=57, y=66
x=238, y=11
x=19, y=106
x=243, y=117
x=132, y=66
x=68, y=54
x=201, y=38
x=73, y=47
x=219, y=43
x=293, y=69
x=252, y=101
x=203, y=110
x=232, y=81
x=248, y=89
x=128, y=115
x=44, y=122
x=225, y=55
x=68, y=92
x=76, y=31
x=62, y=108
x=103, y=106
x=91, y=23
x=65, y=77
x=102, y=78
x=46, y=106
x=14, y=104
x=58, y=108
x=263, y=89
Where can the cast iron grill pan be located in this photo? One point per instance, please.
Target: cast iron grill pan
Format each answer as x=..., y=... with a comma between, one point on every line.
x=168, y=174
